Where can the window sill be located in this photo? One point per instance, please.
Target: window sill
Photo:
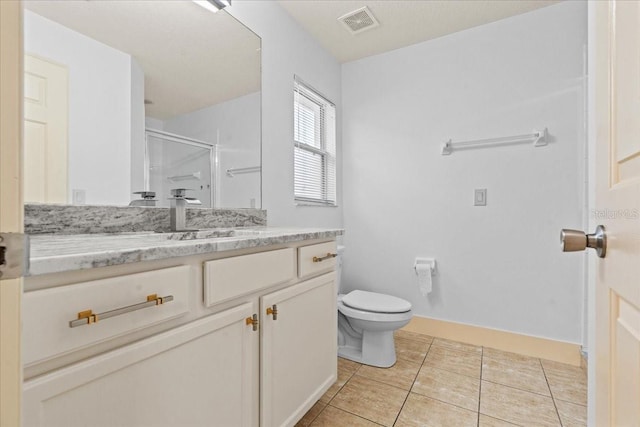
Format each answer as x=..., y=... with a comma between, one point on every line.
x=317, y=205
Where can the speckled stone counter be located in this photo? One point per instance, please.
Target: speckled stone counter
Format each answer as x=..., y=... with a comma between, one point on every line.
x=85, y=219
x=58, y=253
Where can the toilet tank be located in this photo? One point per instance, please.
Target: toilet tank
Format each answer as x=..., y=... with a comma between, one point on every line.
x=339, y=251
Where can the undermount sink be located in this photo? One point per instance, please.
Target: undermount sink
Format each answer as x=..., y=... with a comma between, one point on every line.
x=212, y=233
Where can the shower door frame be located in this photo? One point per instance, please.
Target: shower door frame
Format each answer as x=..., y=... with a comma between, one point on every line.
x=213, y=158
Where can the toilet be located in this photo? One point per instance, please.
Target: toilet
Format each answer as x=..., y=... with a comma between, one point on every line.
x=366, y=322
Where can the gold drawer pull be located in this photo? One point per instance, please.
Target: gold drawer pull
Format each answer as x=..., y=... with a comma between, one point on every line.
x=88, y=317
x=273, y=310
x=253, y=321
x=329, y=255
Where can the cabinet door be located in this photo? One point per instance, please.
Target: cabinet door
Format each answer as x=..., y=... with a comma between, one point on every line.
x=298, y=349
x=200, y=374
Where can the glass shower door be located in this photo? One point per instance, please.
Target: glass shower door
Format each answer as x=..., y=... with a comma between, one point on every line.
x=173, y=161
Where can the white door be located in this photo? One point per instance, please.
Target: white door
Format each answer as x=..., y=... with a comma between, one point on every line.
x=299, y=348
x=199, y=374
x=617, y=118
x=10, y=205
x=45, y=131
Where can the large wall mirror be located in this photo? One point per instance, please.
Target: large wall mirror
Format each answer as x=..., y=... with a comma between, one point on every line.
x=127, y=96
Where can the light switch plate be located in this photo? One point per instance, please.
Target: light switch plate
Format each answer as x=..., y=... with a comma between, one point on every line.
x=79, y=197
x=480, y=197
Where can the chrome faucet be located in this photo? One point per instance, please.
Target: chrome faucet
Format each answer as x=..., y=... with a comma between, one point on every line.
x=148, y=199
x=178, y=211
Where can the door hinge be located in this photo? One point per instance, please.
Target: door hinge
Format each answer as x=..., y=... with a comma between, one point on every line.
x=14, y=255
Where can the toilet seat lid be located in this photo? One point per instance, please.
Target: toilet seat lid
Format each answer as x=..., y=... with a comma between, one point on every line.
x=379, y=303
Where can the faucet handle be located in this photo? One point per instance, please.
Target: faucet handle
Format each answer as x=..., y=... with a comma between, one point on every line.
x=180, y=192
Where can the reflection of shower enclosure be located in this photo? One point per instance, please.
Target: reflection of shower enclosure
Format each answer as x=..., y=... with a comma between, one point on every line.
x=174, y=161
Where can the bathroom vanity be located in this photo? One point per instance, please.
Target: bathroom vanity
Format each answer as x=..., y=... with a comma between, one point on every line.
x=232, y=328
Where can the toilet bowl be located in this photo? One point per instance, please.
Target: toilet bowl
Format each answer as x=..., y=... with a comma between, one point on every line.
x=366, y=323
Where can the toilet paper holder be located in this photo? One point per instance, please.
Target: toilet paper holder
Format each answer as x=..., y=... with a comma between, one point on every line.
x=430, y=262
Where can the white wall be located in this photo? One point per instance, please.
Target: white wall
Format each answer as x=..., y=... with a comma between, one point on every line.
x=137, y=129
x=499, y=266
x=99, y=83
x=288, y=50
x=235, y=127
x=153, y=123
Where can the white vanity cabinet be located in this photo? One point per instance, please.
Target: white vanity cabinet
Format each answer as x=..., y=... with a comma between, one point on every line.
x=298, y=349
x=199, y=374
x=257, y=346
x=298, y=324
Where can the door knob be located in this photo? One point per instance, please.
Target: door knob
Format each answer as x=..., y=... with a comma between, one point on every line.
x=576, y=240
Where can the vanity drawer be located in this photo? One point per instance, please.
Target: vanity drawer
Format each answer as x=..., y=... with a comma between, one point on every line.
x=315, y=259
x=46, y=323
x=229, y=278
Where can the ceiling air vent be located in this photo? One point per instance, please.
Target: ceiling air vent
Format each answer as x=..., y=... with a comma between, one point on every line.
x=359, y=20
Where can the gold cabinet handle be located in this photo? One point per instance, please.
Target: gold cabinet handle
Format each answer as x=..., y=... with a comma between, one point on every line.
x=329, y=255
x=273, y=310
x=253, y=321
x=88, y=317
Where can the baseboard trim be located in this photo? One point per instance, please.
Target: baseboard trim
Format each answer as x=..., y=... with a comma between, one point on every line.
x=544, y=348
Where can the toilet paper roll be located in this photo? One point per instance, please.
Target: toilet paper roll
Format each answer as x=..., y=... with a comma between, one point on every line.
x=424, y=278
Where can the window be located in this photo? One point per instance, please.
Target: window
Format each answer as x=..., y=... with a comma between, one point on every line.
x=314, y=134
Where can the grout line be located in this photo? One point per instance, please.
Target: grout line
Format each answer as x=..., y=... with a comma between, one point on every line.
x=333, y=397
x=553, y=399
x=355, y=415
x=375, y=380
x=343, y=385
x=414, y=381
x=443, y=401
x=504, y=421
x=568, y=401
x=521, y=389
x=317, y=415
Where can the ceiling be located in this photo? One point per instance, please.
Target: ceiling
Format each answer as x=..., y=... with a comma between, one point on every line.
x=192, y=58
x=402, y=22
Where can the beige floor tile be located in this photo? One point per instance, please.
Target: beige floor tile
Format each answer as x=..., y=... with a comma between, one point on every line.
x=348, y=365
x=400, y=375
x=334, y=417
x=486, y=421
x=506, y=356
x=412, y=350
x=517, y=406
x=346, y=369
x=448, y=387
x=421, y=411
x=519, y=374
x=550, y=365
x=456, y=345
x=370, y=399
x=568, y=383
x=311, y=414
x=572, y=415
x=413, y=336
x=458, y=361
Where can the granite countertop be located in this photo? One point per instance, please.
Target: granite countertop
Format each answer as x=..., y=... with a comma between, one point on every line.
x=57, y=253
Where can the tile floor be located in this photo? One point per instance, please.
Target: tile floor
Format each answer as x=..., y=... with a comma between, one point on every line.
x=437, y=382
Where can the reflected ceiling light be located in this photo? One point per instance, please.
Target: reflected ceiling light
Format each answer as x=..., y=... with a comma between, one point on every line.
x=213, y=5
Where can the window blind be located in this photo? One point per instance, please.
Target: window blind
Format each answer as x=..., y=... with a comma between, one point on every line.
x=314, y=123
